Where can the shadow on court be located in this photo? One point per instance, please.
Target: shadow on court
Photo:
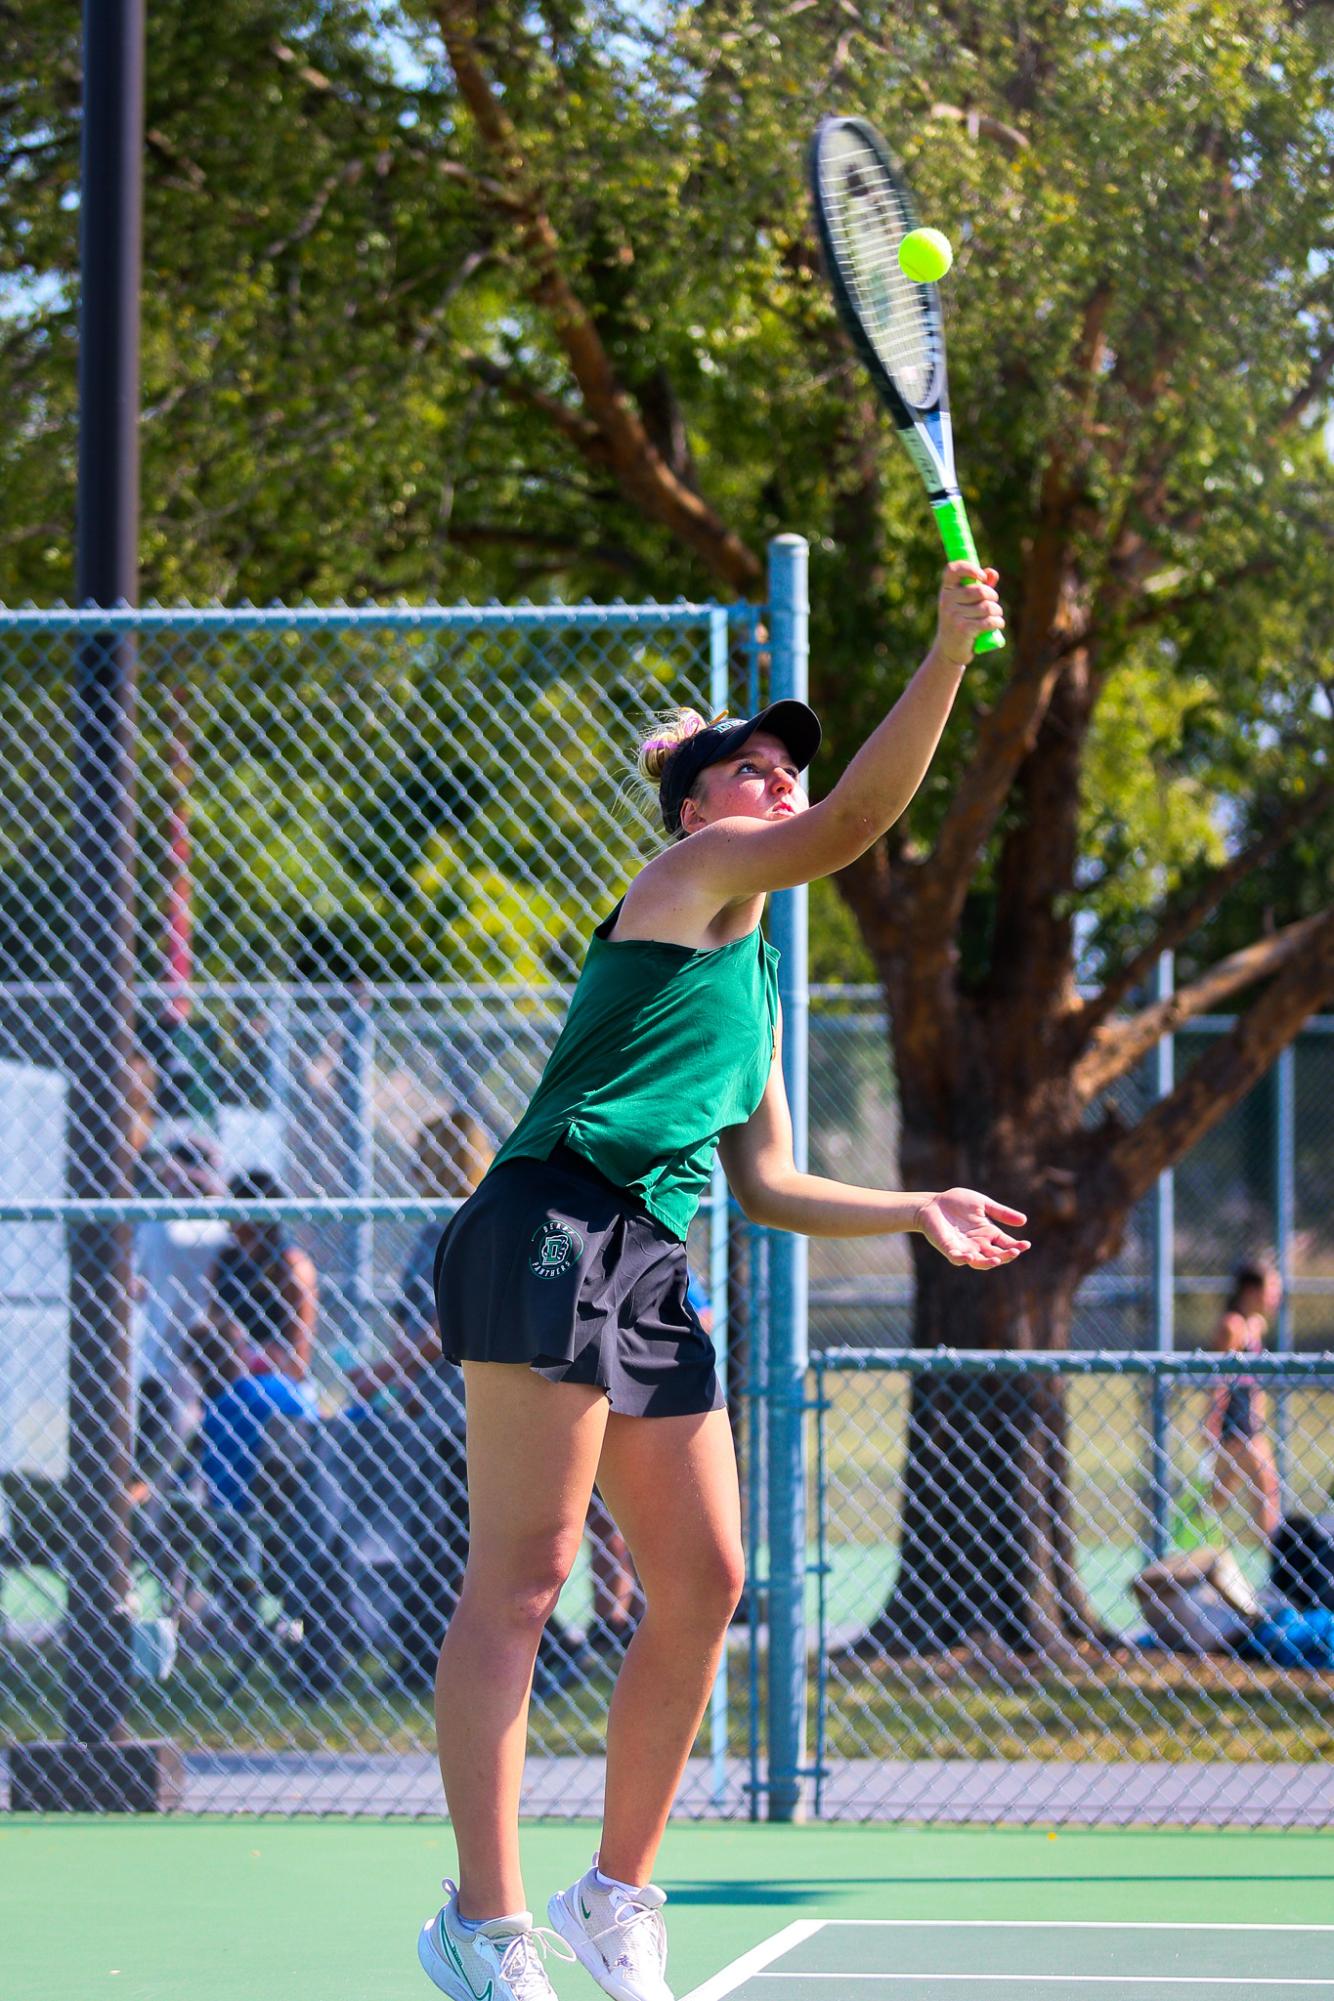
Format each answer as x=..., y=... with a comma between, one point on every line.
x=775, y=1890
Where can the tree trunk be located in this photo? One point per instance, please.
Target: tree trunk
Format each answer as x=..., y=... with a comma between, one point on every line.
x=987, y=1548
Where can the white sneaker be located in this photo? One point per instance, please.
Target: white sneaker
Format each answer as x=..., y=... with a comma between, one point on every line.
x=618, y=1935
x=500, y=1961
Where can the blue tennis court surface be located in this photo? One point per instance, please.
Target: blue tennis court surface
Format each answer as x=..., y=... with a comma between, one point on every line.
x=912, y=1959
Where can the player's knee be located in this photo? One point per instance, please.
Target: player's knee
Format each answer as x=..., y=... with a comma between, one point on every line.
x=527, y=1590
x=709, y=1589
x=733, y=1578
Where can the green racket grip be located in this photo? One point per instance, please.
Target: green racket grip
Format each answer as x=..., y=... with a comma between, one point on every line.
x=955, y=533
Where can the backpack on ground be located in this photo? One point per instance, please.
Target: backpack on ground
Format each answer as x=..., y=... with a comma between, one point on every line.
x=1196, y=1601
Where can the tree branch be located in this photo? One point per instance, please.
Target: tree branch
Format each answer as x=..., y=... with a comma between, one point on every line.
x=640, y=470
x=1231, y=1066
x=1007, y=735
x=583, y=435
x=345, y=176
x=1032, y=955
x=1314, y=386
x=1119, y=1048
x=1185, y=916
x=981, y=125
x=1052, y=627
x=461, y=276
x=1154, y=606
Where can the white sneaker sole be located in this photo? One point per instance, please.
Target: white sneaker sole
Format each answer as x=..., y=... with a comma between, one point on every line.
x=568, y=1924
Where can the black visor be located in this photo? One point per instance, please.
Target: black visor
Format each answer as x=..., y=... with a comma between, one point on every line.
x=796, y=727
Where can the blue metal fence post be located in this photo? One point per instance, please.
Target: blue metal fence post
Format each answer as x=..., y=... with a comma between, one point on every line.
x=1284, y=1205
x=787, y=1331
x=1164, y=1283
x=353, y=1288
x=720, y=662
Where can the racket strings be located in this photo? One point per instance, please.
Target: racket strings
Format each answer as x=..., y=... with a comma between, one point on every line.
x=867, y=221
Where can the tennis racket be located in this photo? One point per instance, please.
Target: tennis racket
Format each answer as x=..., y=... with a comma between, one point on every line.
x=863, y=211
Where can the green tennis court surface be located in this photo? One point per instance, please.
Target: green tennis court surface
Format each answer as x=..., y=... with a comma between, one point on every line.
x=202, y=1909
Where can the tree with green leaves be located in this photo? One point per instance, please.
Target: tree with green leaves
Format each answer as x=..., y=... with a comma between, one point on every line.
x=527, y=297
x=1144, y=338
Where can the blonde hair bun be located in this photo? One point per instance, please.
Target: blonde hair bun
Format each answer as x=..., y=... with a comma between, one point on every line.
x=672, y=729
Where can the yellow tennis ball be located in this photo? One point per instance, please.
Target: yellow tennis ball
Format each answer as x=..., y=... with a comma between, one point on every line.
x=925, y=255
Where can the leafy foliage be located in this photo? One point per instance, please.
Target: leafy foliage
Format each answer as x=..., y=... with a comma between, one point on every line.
x=353, y=388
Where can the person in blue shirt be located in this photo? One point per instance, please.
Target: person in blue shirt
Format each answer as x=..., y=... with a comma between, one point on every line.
x=254, y=1434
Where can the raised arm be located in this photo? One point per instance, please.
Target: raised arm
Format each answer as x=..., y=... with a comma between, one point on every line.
x=761, y=1172
x=734, y=858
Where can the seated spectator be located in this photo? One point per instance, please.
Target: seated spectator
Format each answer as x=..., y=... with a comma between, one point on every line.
x=265, y=1287
x=253, y=1441
x=618, y=1597
x=173, y=1259
x=173, y=1262
x=451, y=1154
x=408, y=1465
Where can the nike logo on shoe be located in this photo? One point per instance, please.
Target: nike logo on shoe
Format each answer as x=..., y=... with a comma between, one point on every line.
x=452, y=1954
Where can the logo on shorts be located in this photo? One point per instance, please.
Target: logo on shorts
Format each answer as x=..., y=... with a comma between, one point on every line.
x=556, y=1250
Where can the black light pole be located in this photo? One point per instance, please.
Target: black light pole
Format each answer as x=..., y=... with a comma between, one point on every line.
x=97, y=1767
x=97, y=1688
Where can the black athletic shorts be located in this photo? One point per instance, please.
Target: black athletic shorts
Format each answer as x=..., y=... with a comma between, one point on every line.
x=550, y=1264
x=1241, y=1418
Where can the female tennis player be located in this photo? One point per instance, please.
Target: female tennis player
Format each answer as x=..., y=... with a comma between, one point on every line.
x=561, y=1287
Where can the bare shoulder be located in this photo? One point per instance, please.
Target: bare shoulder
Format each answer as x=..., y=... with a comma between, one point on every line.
x=667, y=903
x=711, y=887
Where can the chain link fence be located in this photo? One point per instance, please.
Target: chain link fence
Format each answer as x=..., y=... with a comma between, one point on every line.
x=929, y=1700
x=369, y=848
x=1006, y=1633
x=1259, y=1185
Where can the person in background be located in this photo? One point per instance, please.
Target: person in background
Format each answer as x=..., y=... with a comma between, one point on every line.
x=404, y=1456
x=265, y=1286
x=1238, y=1416
x=451, y=1153
x=618, y=1597
x=172, y=1265
x=618, y=1601
x=253, y=1441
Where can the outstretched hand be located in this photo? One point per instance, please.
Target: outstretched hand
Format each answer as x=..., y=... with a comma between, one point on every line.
x=962, y=1225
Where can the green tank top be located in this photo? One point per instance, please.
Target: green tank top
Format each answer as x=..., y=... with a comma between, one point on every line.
x=663, y=1048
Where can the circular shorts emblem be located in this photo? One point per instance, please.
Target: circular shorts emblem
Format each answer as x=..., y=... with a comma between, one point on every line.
x=557, y=1248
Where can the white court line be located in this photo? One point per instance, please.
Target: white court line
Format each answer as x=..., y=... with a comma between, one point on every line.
x=751, y=1964
x=759, y=1956
x=1070, y=1979
x=1070, y=1925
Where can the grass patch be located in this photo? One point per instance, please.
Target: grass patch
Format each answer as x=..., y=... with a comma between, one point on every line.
x=1174, y=1710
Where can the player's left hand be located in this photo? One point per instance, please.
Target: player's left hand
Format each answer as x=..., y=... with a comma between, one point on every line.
x=962, y=1225
x=969, y=606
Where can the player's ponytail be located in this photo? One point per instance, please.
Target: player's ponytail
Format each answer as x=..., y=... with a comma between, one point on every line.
x=638, y=795
x=671, y=730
